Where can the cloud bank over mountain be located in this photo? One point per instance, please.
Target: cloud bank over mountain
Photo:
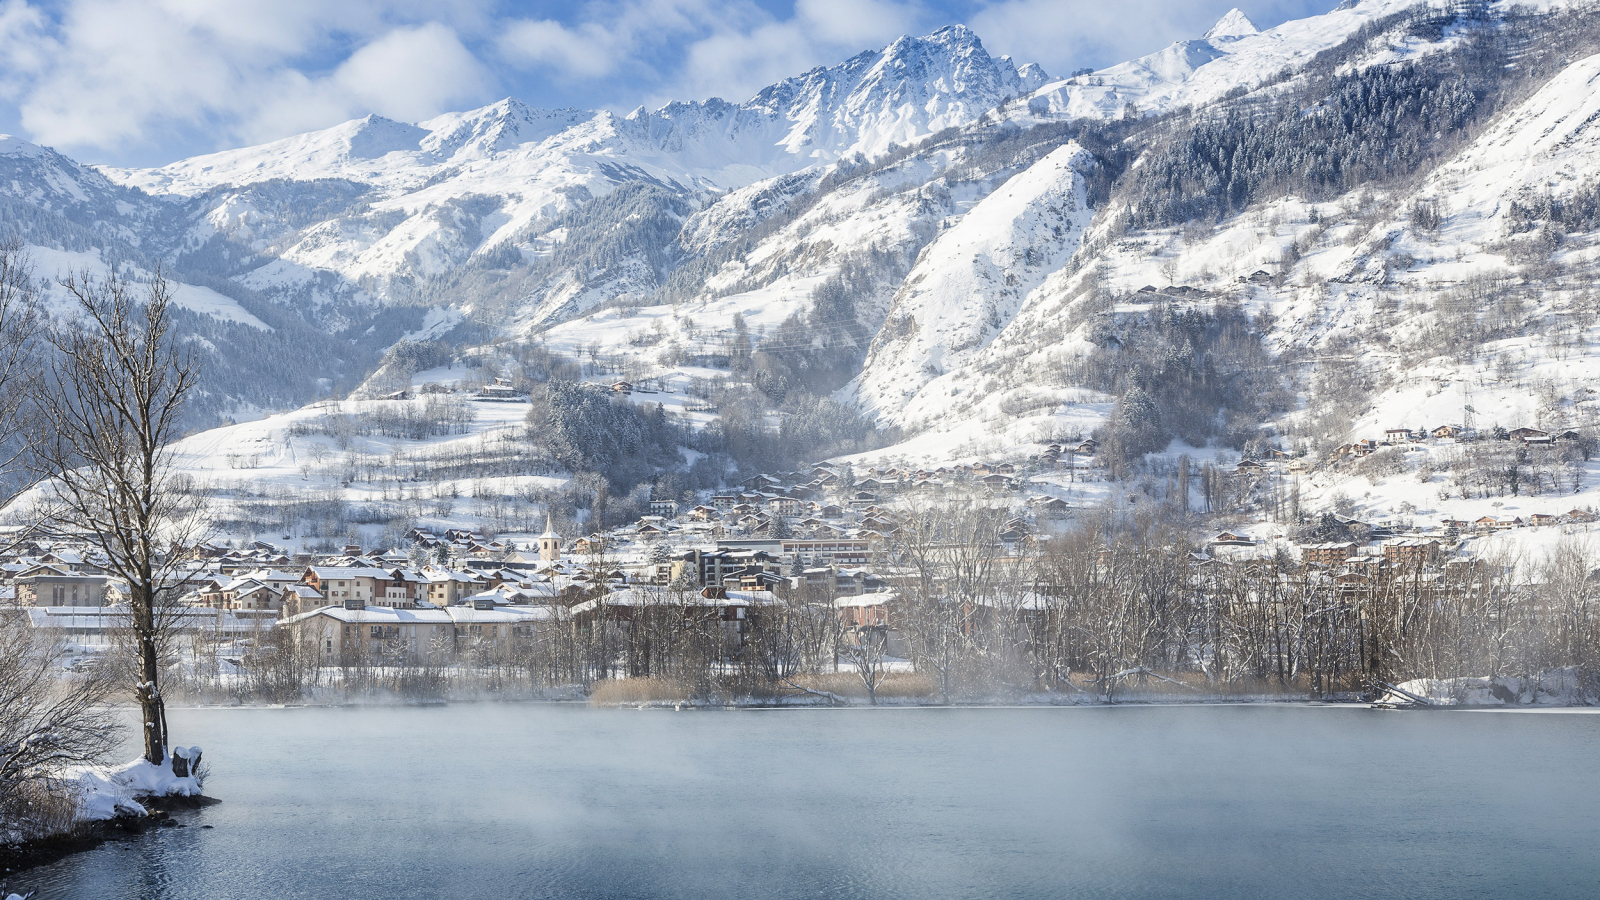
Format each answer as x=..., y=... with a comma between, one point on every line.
x=141, y=82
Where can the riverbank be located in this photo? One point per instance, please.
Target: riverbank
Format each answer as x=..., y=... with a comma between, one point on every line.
x=90, y=835
x=112, y=802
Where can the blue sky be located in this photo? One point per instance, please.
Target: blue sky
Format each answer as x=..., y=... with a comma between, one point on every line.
x=144, y=82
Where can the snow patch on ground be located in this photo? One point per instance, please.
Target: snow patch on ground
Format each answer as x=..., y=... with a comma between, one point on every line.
x=106, y=792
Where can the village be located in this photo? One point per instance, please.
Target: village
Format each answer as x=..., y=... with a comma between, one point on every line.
x=828, y=538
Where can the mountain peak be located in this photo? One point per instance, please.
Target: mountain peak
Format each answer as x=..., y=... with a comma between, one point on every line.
x=15, y=146
x=1233, y=25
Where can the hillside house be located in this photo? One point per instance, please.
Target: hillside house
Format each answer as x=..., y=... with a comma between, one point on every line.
x=50, y=586
x=1329, y=554
x=1411, y=552
x=416, y=635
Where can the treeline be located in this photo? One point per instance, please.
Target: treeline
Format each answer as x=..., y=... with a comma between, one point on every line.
x=1577, y=212
x=426, y=417
x=1336, y=131
x=1182, y=372
x=1361, y=130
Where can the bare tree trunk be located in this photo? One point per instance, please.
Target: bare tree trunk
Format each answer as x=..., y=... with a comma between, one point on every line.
x=110, y=401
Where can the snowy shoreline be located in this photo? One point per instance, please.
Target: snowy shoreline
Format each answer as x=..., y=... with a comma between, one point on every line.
x=111, y=801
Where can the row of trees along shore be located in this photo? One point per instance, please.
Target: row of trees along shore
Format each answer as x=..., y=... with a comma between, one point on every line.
x=1117, y=607
x=90, y=398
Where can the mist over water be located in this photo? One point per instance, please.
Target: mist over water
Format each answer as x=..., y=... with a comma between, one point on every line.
x=524, y=801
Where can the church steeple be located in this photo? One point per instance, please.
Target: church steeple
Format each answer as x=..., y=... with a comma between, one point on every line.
x=549, y=542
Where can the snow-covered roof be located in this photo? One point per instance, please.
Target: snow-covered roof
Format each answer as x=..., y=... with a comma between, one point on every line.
x=458, y=615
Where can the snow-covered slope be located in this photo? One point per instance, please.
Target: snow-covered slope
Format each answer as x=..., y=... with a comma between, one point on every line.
x=970, y=283
x=419, y=202
x=1232, y=55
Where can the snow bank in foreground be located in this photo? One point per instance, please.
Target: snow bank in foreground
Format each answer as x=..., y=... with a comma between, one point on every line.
x=106, y=791
x=1558, y=687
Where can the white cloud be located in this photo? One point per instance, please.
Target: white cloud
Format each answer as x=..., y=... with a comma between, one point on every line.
x=411, y=73
x=729, y=49
x=1063, y=35
x=585, y=51
x=24, y=45
x=107, y=74
x=114, y=76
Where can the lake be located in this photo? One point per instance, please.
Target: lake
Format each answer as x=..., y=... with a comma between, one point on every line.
x=537, y=801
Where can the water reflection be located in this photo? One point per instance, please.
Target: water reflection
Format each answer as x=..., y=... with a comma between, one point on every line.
x=532, y=802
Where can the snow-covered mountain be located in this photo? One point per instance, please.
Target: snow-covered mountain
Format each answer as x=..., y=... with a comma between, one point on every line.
x=417, y=202
x=1255, y=239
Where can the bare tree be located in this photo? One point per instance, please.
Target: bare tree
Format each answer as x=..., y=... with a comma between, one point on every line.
x=20, y=323
x=47, y=719
x=110, y=400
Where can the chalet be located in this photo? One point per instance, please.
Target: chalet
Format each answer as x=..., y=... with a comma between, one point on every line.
x=50, y=586
x=1528, y=435
x=865, y=611
x=499, y=392
x=341, y=583
x=713, y=568
x=667, y=509
x=340, y=632
x=1410, y=552
x=724, y=501
x=1397, y=435
x=703, y=513
x=295, y=599
x=1448, y=431
x=1230, y=539
x=1052, y=507
x=446, y=587
x=1348, y=582
x=1567, y=436
x=761, y=482
x=621, y=387
x=1331, y=554
x=1543, y=519
x=1249, y=467
x=1578, y=516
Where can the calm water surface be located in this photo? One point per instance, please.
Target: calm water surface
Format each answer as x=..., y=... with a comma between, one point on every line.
x=514, y=801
